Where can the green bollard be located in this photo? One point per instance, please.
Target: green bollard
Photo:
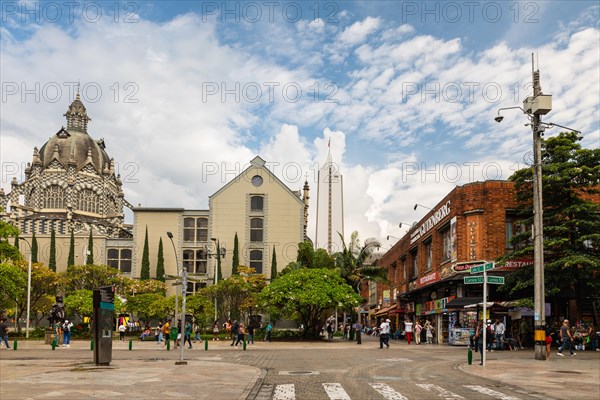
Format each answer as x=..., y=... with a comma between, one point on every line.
x=15, y=345
x=470, y=356
x=168, y=344
x=92, y=344
x=130, y=344
x=244, y=341
x=53, y=344
x=205, y=344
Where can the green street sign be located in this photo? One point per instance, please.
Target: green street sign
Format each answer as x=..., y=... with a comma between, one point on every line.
x=473, y=280
x=480, y=268
x=495, y=280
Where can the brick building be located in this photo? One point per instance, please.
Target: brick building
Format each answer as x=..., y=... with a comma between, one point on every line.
x=471, y=225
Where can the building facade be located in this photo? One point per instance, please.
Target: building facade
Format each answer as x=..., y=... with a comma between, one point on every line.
x=471, y=225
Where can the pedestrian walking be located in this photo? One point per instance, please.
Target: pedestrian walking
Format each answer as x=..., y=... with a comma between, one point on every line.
x=188, y=334
x=234, y=332
x=227, y=326
x=418, y=329
x=241, y=332
x=67, y=333
x=197, y=334
x=268, y=335
x=408, y=329
x=251, y=333
x=358, y=329
x=566, y=339
x=384, y=334
x=4, y=332
x=167, y=331
x=158, y=334
x=215, y=330
x=499, y=330
x=122, y=330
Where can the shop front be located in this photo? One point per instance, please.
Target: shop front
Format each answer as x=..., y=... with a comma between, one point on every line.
x=436, y=313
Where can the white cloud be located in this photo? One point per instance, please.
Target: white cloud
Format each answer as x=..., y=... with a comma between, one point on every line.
x=359, y=31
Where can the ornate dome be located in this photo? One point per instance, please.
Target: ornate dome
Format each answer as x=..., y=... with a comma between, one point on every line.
x=73, y=144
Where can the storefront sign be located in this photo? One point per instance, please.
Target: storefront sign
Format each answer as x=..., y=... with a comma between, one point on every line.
x=432, y=221
x=512, y=264
x=429, y=278
x=434, y=306
x=466, y=266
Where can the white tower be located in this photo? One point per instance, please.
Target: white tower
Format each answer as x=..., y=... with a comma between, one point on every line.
x=330, y=206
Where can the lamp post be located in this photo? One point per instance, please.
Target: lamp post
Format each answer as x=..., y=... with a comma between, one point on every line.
x=220, y=252
x=421, y=205
x=28, y=288
x=534, y=107
x=183, y=297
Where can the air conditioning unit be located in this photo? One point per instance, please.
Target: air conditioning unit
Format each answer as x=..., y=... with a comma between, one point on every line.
x=540, y=105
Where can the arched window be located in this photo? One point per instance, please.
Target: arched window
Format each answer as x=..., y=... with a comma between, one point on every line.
x=256, y=203
x=88, y=201
x=54, y=197
x=256, y=260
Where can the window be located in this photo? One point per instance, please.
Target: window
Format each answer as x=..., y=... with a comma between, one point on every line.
x=88, y=201
x=54, y=197
x=194, y=261
x=512, y=229
x=195, y=229
x=447, y=250
x=415, y=265
x=404, y=270
x=428, y=255
x=256, y=203
x=256, y=260
x=119, y=259
x=394, y=269
x=256, y=229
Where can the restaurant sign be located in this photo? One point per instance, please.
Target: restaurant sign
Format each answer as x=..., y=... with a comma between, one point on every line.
x=429, y=279
x=466, y=266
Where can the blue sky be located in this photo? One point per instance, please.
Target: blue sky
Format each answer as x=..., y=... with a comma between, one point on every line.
x=186, y=93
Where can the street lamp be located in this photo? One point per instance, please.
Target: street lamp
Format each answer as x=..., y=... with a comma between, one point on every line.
x=28, y=288
x=534, y=107
x=219, y=253
x=390, y=236
x=421, y=205
x=183, y=297
x=170, y=235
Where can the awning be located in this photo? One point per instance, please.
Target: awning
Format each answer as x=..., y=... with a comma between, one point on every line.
x=489, y=304
x=461, y=302
x=384, y=311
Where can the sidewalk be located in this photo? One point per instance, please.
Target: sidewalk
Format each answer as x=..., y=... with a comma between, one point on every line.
x=566, y=377
x=36, y=372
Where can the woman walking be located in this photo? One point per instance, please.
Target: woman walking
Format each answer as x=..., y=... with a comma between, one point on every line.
x=241, y=332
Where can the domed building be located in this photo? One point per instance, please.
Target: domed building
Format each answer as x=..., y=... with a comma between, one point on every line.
x=71, y=185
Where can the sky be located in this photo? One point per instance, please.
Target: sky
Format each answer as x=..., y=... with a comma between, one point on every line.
x=186, y=93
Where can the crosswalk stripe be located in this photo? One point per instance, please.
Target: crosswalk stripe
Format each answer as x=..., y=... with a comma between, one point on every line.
x=284, y=392
x=387, y=392
x=490, y=392
x=335, y=391
x=443, y=393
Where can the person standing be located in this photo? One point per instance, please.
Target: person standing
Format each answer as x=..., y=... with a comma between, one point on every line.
x=251, y=333
x=268, y=335
x=227, y=325
x=418, y=329
x=429, y=332
x=523, y=333
x=358, y=329
x=159, y=333
x=566, y=339
x=478, y=338
x=122, y=330
x=4, y=332
x=329, y=331
x=215, y=330
x=188, y=334
x=67, y=333
x=234, y=331
x=197, y=334
x=408, y=330
x=499, y=331
x=549, y=333
x=384, y=334
x=167, y=331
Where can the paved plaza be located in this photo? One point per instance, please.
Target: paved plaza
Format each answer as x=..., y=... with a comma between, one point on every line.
x=282, y=370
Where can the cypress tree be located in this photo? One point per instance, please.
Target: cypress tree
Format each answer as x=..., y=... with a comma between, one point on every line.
x=219, y=274
x=90, y=250
x=52, y=260
x=273, y=265
x=34, y=248
x=71, y=259
x=160, y=263
x=17, y=242
x=236, y=258
x=145, y=273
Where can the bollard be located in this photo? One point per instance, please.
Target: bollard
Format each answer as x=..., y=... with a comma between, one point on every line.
x=15, y=345
x=470, y=356
x=130, y=344
x=244, y=341
x=168, y=344
x=92, y=344
x=206, y=345
x=53, y=344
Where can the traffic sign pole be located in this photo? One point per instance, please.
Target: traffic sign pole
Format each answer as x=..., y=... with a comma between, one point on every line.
x=484, y=350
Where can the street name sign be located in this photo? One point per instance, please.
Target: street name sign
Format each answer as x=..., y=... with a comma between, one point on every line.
x=496, y=280
x=474, y=280
x=480, y=268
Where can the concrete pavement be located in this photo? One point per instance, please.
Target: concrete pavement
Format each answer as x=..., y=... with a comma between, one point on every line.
x=149, y=370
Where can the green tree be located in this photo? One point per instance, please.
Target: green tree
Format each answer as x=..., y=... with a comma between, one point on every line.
x=9, y=252
x=308, y=257
x=88, y=277
x=34, y=248
x=80, y=303
x=90, y=250
x=13, y=284
x=146, y=306
x=16, y=241
x=71, y=259
x=145, y=272
x=273, y=265
x=570, y=179
x=354, y=262
x=235, y=263
x=305, y=295
x=52, y=259
x=7, y=230
x=160, y=263
x=200, y=305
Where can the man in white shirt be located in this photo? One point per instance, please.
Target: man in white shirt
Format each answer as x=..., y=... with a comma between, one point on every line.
x=499, y=332
x=408, y=329
x=384, y=334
